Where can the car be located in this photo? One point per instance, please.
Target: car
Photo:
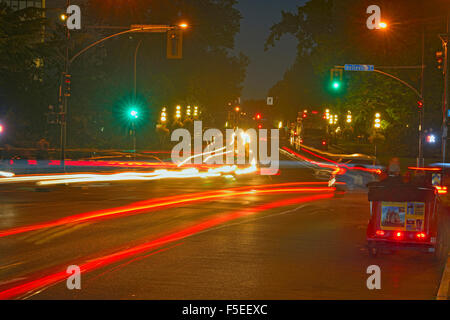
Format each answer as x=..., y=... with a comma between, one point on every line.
x=354, y=172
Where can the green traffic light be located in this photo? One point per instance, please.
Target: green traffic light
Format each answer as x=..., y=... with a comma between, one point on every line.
x=134, y=114
x=336, y=85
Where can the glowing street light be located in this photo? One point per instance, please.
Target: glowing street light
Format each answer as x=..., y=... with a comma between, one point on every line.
x=336, y=85
x=183, y=25
x=349, y=117
x=63, y=17
x=134, y=113
x=431, y=138
x=377, y=123
x=383, y=25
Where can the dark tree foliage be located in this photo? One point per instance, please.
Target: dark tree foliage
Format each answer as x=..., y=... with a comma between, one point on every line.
x=208, y=75
x=25, y=80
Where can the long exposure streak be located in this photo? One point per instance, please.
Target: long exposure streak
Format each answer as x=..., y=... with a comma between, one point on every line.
x=103, y=261
x=158, y=203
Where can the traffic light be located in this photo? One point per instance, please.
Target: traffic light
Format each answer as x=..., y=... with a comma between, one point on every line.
x=336, y=79
x=134, y=114
x=66, y=84
x=440, y=60
x=258, y=116
x=431, y=138
x=174, y=44
x=420, y=104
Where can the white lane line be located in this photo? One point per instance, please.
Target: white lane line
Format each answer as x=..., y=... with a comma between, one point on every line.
x=443, y=293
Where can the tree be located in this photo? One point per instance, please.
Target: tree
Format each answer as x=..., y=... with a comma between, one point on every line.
x=24, y=73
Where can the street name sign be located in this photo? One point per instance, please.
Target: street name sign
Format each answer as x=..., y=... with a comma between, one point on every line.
x=359, y=67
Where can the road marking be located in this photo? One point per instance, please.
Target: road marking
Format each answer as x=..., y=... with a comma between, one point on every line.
x=61, y=233
x=445, y=281
x=36, y=235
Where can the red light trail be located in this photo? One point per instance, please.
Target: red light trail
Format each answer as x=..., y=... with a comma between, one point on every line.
x=336, y=164
x=117, y=256
x=158, y=203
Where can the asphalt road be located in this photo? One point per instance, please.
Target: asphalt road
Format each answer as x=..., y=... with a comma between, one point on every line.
x=282, y=244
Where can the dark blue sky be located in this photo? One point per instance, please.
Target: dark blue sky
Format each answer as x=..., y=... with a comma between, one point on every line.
x=265, y=68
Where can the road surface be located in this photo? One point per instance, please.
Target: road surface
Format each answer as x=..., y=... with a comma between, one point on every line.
x=266, y=237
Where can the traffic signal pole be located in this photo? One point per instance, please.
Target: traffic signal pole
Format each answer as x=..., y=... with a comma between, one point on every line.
x=69, y=61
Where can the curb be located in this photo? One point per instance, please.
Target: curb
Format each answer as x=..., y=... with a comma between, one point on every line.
x=443, y=292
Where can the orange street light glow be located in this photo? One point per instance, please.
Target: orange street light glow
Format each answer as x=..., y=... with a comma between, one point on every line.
x=183, y=25
x=383, y=25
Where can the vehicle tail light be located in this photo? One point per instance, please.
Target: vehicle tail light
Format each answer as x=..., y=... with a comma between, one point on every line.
x=421, y=235
x=441, y=189
x=398, y=235
x=380, y=233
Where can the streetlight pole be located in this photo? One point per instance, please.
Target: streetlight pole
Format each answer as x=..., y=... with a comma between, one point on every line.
x=69, y=61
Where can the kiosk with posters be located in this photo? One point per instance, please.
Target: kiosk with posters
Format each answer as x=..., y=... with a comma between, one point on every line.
x=406, y=215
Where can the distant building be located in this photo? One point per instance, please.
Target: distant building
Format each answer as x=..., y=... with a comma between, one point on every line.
x=22, y=4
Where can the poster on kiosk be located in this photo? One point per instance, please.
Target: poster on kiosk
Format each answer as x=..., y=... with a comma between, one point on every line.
x=402, y=216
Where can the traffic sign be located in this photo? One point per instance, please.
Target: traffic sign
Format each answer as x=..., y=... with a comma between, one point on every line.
x=436, y=179
x=270, y=101
x=359, y=67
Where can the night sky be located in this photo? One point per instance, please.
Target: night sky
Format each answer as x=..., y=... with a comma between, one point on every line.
x=266, y=68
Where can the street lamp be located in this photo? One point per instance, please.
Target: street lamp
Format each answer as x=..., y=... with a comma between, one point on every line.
x=349, y=117
x=383, y=25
